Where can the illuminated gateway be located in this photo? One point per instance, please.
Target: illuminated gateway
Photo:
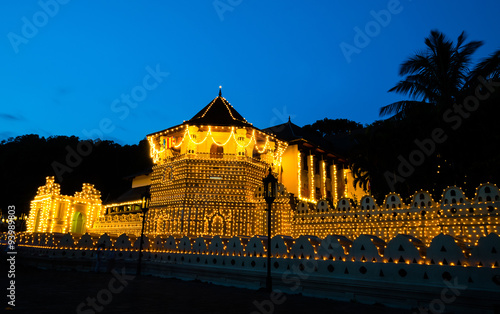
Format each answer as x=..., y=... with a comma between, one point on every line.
x=207, y=181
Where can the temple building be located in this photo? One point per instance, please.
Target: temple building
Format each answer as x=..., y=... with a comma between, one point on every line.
x=207, y=178
x=206, y=174
x=207, y=181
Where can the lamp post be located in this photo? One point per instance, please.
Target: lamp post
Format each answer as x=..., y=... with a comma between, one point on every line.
x=270, y=187
x=144, y=208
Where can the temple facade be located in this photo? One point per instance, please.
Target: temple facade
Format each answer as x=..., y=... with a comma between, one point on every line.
x=206, y=174
x=207, y=181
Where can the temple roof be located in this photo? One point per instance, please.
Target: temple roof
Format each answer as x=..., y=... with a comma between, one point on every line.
x=291, y=132
x=218, y=112
x=294, y=134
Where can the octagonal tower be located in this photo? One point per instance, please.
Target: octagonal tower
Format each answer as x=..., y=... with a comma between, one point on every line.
x=206, y=173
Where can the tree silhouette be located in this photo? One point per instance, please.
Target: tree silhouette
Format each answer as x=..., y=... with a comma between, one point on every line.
x=333, y=126
x=435, y=76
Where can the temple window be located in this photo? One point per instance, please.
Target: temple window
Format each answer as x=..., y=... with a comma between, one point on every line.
x=216, y=151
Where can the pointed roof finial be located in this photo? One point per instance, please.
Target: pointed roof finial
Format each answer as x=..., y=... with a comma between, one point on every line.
x=289, y=119
x=220, y=90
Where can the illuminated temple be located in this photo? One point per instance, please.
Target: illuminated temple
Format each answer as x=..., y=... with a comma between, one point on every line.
x=207, y=181
x=206, y=173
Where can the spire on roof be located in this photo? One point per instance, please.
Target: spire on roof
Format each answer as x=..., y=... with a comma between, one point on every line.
x=218, y=112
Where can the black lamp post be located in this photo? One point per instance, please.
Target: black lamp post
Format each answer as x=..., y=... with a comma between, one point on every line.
x=270, y=190
x=144, y=207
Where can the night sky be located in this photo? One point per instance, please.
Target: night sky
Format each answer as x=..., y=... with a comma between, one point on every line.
x=123, y=69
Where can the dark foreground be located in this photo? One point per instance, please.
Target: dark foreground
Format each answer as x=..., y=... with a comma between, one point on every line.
x=50, y=291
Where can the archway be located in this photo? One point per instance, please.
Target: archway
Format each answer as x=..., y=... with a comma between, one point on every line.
x=78, y=223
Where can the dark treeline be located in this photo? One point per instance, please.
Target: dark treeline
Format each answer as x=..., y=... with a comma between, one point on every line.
x=26, y=160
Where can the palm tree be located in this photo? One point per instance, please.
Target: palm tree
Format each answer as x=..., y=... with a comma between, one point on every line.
x=435, y=79
x=435, y=76
x=489, y=67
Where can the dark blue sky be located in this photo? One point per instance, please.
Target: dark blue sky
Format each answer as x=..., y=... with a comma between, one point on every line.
x=130, y=68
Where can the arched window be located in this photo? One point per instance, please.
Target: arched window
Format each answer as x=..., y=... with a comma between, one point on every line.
x=78, y=223
x=216, y=151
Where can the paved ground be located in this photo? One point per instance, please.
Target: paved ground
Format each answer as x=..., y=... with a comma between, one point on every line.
x=50, y=291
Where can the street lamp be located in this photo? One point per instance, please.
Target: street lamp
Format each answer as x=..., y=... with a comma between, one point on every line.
x=144, y=208
x=270, y=188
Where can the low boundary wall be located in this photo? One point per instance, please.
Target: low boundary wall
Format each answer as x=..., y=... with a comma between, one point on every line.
x=440, y=288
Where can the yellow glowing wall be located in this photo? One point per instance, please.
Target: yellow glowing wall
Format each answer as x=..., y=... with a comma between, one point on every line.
x=290, y=169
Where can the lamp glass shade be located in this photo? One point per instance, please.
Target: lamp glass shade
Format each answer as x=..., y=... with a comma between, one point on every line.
x=270, y=187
